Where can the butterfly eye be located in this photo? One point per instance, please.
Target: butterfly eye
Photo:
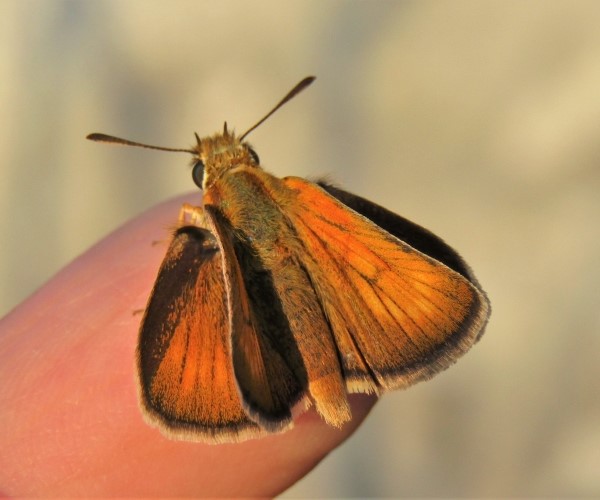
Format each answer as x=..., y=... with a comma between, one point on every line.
x=198, y=173
x=254, y=156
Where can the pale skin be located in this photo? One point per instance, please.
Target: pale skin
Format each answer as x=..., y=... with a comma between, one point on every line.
x=69, y=418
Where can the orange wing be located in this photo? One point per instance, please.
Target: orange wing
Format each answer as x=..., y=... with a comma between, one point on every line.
x=283, y=349
x=186, y=381
x=398, y=316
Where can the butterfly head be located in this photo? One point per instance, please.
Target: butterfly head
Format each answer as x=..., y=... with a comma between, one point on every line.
x=214, y=155
x=219, y=153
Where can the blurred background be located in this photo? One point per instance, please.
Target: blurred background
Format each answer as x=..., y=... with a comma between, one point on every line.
x=478, y=120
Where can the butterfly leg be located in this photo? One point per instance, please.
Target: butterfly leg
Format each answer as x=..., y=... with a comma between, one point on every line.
x=190, y=215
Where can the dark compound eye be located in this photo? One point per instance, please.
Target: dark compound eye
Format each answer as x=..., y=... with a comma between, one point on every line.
x=254, y=156
x=198, y=173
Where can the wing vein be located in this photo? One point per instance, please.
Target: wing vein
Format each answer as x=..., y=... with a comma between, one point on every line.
x=358, y=296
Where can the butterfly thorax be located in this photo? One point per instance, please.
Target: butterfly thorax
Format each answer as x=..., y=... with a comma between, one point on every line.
x=220, y=153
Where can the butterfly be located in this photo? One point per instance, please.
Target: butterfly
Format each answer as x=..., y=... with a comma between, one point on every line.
x=279, y=292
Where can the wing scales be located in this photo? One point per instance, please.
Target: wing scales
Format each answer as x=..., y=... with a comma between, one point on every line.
x=185, y=370
x=408, y=315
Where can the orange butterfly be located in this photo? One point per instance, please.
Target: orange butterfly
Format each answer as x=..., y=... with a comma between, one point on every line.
x=282, y=291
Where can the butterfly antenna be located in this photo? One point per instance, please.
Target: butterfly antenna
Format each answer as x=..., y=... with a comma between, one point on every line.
x=117, y=140
x=292, y=93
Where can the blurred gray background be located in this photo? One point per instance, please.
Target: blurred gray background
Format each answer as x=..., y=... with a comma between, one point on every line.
x=478, y=120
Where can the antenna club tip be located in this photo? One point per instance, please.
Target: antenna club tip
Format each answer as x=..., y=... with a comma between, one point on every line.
x=305, y=82
x=299, y=87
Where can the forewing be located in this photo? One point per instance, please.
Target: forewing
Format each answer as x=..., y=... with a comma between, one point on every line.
x=267, y=364
x=414, y=235
x=398, y=315
x=186, y=377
